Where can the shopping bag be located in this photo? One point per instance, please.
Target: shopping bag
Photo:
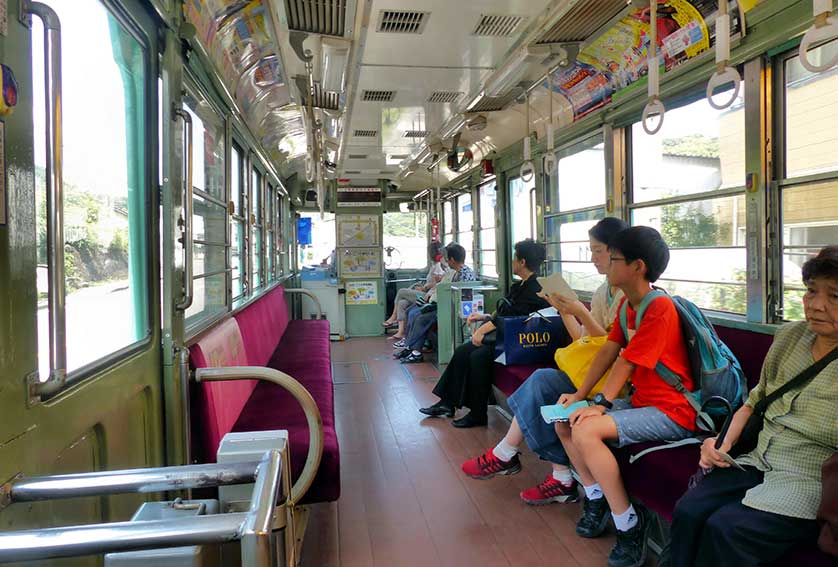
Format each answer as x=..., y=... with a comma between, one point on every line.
x=576, y=358
x=530, y=339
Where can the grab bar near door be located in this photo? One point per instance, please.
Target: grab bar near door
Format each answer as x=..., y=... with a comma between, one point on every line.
x=188, y=209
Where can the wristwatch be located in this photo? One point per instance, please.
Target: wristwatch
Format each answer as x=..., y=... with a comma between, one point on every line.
x=600, y=400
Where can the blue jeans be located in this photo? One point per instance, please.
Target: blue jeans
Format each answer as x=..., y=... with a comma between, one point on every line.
x=542, y=388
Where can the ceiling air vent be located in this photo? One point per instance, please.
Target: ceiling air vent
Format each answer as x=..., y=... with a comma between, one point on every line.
x=582, y=21
x=327, y=100
x=497, y=25
x=353, y=172
x=399, y=156
x=327, y=17
x=357, y=156
x=444, y=96
x=402, y=21
x=415, y=133
x=366, y=133
x=378, y=96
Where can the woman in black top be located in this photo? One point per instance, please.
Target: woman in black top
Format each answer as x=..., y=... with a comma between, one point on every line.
x=467, y=380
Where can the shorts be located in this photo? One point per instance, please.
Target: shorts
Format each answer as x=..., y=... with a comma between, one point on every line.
x=636, y=425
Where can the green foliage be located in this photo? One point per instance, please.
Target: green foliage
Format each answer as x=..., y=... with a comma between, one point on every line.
x=404, y=224
x=683, y=226
x=118, y=247
x=694, y=145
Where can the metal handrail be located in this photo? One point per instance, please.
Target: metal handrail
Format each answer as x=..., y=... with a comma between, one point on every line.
x=252, y=528
x=55, y=201
x=188, y=210
x=310, y=295
x=303, y=397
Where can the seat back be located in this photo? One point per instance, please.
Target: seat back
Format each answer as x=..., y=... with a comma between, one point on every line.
x=262, y=325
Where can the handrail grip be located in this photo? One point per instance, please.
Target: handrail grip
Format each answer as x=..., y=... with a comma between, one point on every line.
x=188, y=210
x=55, y=201
x=303, y=397
x=252, y=528
x=105, y=483
x=309, y=294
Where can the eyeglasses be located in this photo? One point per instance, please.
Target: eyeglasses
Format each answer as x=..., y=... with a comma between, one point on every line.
x=616, y=259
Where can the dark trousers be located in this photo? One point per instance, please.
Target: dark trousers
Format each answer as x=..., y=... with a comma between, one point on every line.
x=711, y=526
x=419, y=327
x=468, y=379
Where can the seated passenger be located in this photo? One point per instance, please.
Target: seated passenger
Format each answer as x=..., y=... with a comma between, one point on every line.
x=407, y=297
x=545, y=386
x=423, y=321
x=753, y=516
x=467, y=380
x=654, y=412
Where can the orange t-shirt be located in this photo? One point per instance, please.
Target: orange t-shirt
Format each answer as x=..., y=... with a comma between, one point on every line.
x=658, y=339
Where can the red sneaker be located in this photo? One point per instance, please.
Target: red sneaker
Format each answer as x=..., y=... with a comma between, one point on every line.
x=488, y=465
x=551, y=490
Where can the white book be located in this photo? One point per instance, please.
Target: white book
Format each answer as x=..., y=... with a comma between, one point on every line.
x=555, y=283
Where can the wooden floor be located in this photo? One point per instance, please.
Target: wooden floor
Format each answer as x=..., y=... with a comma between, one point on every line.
x=404, y=500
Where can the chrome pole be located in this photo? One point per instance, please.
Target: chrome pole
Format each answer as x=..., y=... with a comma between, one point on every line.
x=55, y=200
x=188, y=209
x=256, y=534
x=132, y=481
x=74, y=541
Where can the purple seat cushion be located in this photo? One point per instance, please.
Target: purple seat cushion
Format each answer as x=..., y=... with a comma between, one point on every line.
x=749, y=347
x=509, y=378
x=303, y=353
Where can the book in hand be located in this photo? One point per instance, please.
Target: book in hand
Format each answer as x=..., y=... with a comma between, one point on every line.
x=555, y=283
x=558, y=412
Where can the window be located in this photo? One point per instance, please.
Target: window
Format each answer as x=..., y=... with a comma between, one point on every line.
x=465, y=224
x=105, y=119
x=323, y=237
x=575, y=201
x=280, y=234
x=239, y=218
x=488, y=196
x=209, y=219
x=270, y=232
x=448, y=221
x=405, y=241
x=256, y=189
x=809, y=173
x=688, y=183
x=522, y=208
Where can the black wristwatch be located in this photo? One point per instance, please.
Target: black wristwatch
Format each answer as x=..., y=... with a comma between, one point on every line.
x=600, y=400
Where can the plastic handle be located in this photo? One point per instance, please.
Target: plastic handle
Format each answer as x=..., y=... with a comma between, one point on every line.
x=527, y=171
x=816, y=35
x=729, y=75
x=653, y=108
x=549, y=163
x=527, y=150
x=309, y=168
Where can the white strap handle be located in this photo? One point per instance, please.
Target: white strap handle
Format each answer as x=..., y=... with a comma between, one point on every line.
x=654, y=106
x=724, y=72
x=527, y=171
x=825, y=28
x=309, y=168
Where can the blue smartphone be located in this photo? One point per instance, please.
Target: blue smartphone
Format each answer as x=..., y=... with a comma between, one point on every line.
x=558, y=412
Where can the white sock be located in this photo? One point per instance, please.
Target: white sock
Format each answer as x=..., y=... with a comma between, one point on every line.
x=416, y=353
x=504, y=451
x=625, y=521
x=593, y=492
x=563, y=475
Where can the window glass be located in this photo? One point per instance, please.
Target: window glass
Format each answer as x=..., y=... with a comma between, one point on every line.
x=707, y=250
x=698, y=149
x=238, y=220
x=465, y=223
x=579, y=178
x=522, y=205
x=323, y=236
x=569, y=253
x=207, y=146
x=488, y=204
x=405, y=240
x=810, y=222
x=257, y=228
x=105, y=120
x=270, y=257
x=448, y=220
x=811, y=115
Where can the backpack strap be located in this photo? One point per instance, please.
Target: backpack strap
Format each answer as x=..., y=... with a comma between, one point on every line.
x=666, y=445
x=641, y=310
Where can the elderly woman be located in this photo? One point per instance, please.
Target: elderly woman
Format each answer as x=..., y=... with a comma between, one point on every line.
x=467, y=380
x=407, y=297
x=752, y=515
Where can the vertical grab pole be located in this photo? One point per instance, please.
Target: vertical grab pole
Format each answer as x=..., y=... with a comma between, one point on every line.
x=55, y=201
x=188, y=209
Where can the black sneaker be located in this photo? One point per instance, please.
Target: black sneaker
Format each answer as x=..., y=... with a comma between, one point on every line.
x=594, y=520
x=412, y=357
x=630, y=550
x=402, y=353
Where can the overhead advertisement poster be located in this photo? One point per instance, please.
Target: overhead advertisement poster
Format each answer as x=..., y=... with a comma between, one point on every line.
x=619, y=57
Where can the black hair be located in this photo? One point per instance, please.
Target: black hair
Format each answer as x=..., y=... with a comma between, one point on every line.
x=456, y=252
x=643, y=243
x=434, y=250
x=604, y=230
x=824, y=265
x=531, y=252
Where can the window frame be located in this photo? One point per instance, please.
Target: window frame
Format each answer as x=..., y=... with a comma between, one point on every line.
x=478, y=229
x=237, y=219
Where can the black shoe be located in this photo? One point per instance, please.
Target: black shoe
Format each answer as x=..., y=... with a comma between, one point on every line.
x=594, y=520
x=630, y=550
x=470, y=420
x=439, y=409
x=413, y=357
x=402, y=353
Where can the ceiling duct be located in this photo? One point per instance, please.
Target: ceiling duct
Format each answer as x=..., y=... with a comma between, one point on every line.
x=442, y=97
x=402, y=21
x=497, y=25
x=378, y=96
x=326, y=17
x=357, y=156
x=415, y=133
x=365, y=133
x=582, y=21
x=495, y=104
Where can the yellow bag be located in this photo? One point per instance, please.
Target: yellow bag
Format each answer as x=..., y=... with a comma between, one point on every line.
x=575, y=359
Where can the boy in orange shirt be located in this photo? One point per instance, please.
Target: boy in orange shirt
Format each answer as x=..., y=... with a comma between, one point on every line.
x=654, y=412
